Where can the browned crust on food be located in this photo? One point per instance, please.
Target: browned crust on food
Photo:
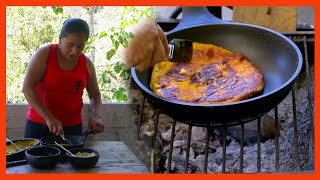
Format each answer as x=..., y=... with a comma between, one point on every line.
x=214, y=75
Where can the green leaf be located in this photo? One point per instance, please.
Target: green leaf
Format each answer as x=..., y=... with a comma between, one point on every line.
x=120, y=95
x=122, y=89
x=106, y=81
x=113, y=76
x=123, y=24
x=57, y=9
x=86, y=49
x=131, y=35
x=125, y=74
x=103, y=76
x=117, y=68
x=103, y=34
x=60, y=10
x=125, y=43
x=116, y=44
x=110, y=54
x=121, y=39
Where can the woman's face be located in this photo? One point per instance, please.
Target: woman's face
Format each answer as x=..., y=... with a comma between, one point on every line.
x=72, y=45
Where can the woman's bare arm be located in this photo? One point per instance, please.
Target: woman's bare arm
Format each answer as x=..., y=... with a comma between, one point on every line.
x=35, y=73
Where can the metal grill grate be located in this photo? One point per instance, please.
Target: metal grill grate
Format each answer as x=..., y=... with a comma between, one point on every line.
x=305, y=41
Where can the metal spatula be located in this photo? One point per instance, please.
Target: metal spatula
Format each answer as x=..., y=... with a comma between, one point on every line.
x=180, y=50
x=64, y=149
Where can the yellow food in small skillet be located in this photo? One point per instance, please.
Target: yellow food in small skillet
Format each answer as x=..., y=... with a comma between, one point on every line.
x=63, y=145
x=20, y=146
x=214, y=75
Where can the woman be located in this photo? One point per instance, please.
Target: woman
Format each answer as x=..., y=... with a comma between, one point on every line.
x=53, y=86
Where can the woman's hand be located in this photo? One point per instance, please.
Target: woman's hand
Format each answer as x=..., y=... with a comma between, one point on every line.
x=55, y=126
x=148, y=46
x=96, y=123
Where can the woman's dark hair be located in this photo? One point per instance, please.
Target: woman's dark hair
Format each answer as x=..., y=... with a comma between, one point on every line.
x=75, y=25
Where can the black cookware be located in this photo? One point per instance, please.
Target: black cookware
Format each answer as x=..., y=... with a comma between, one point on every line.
x=76, y=141
x=83, y=162
x=43, y=157
x=18, y=157
x=278, y=58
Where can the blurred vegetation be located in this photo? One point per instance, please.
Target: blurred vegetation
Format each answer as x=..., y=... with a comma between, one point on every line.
x=29, y=28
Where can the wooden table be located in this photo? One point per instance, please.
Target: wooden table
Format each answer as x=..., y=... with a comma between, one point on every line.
x=115, y=158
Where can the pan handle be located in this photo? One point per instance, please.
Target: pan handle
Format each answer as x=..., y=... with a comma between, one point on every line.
x=196, y=16
x=86, y=133
x=16, y=163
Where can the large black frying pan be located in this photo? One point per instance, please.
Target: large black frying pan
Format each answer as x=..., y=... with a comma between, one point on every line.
x=278, y=58
x=18, y=158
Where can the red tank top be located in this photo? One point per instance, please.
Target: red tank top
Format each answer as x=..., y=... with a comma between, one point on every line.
x=61, y=91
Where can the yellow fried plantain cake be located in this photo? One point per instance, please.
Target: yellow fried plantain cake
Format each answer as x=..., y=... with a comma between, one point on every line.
x=214, y=75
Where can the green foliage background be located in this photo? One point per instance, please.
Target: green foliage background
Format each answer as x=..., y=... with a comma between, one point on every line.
x=29, y=28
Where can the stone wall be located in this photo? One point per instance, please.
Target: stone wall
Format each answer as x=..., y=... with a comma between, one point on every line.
x=116, y=116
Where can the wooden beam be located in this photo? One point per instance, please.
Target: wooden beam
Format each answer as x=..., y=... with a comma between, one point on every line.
x=279, y=18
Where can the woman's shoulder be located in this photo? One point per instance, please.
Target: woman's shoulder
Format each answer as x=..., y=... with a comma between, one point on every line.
x=47, y=50
x=38, y=61
x=41, y=56
x=44, y=50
